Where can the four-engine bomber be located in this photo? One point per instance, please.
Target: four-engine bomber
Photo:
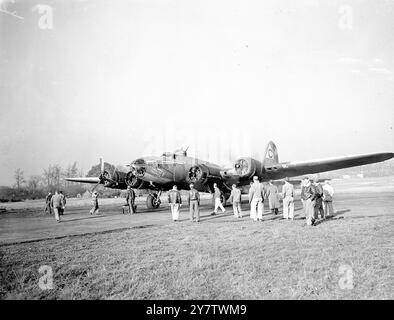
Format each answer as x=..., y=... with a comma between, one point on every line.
x=158, y=174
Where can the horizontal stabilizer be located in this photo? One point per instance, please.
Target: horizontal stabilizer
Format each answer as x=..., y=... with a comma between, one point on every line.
x=84, y=180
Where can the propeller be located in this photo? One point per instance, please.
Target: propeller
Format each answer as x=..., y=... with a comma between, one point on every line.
x=103, y=175
x=101, y=165
x=242, y=166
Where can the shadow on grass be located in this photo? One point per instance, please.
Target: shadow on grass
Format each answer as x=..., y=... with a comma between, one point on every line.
x=216, y=216
x=84, y=218
x=340, y=212
x=332, y=217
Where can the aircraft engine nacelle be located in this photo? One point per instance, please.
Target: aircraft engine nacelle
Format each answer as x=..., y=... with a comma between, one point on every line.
x=116, y=179
x=202, y=174
x=133, y=181
x=119, y=176
x=248, y=167
x=198, y=174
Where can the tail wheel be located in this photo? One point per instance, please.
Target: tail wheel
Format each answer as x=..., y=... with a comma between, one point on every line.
x=153, y=201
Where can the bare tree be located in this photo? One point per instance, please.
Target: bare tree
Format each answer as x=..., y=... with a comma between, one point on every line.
x=48, y=176
x=57, y=173
x=19, y=179
x=52, y=176
x=33, y=183
x=74, y=169
x=70, y=172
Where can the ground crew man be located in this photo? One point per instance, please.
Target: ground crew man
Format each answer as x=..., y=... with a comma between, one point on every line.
x=288, y=200
x=95, y=208
x=303, y=182
x=130, y=198
x=193, y=199
x=328, y=192
x=217, y=198
x=318, y=207
x=309, y=199
x=256, y=199
x=48, y=207
x=235, y=198
x=175, y=201
x=273, y=197
x=61, y=212
x=56, y=203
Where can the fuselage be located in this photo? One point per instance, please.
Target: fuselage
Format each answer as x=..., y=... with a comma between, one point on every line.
x=163, y=172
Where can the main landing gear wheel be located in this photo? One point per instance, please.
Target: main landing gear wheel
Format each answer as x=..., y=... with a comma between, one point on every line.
x=153, y=201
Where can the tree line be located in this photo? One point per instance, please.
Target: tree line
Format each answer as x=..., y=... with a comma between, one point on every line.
x=51, y=179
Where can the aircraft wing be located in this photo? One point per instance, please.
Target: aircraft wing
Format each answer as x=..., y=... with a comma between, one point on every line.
x=84, y=179
x=292, y=169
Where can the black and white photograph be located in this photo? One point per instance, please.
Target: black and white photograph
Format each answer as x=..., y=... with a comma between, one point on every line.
x=223, y=151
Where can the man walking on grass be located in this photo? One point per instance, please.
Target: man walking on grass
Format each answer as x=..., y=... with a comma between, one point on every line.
x=288, y=200
x=235, y=198
x=193, y=199
x=217, y=198
x=56, y=202
x=309, y=194
x=175, y=201
x=256, y=199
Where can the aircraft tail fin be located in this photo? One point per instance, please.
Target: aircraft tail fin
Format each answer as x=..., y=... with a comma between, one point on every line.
x=270, y=155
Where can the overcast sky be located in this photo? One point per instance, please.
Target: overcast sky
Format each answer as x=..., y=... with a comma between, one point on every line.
x=123, y=79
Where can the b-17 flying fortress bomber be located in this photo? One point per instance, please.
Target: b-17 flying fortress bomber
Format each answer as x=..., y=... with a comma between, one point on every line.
x=159, y=173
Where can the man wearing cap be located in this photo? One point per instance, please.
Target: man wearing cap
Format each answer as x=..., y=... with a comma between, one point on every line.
x=318, y=206
x=61, y=212
x=309, y=199
x=217, y=198
x=328, y=192
x=288, y=200
x=95, y=208
x=303, y=182
x=273, y=197
x=48, y=207
x=130, y=198
x=256, y=199
x=175, y=201
x=56, y=202
x=235, y=198
x=193, y=199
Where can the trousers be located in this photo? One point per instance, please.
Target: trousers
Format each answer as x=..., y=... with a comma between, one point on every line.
x=218, y=204
x=175, y=211
x=48, y=208
x=309, y=211
x=56, y=211
x=256, y=209
x=288, y=207
x=328, y=208
x=194, y=209
x=237, y=209
x=318, y=208
x=130, y=205
x=95, y=208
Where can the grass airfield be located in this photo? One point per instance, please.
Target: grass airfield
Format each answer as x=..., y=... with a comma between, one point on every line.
x=147, y=256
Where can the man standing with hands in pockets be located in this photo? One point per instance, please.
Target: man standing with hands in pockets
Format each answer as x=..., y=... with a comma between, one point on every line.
x=288, y=200
x=175, y=201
